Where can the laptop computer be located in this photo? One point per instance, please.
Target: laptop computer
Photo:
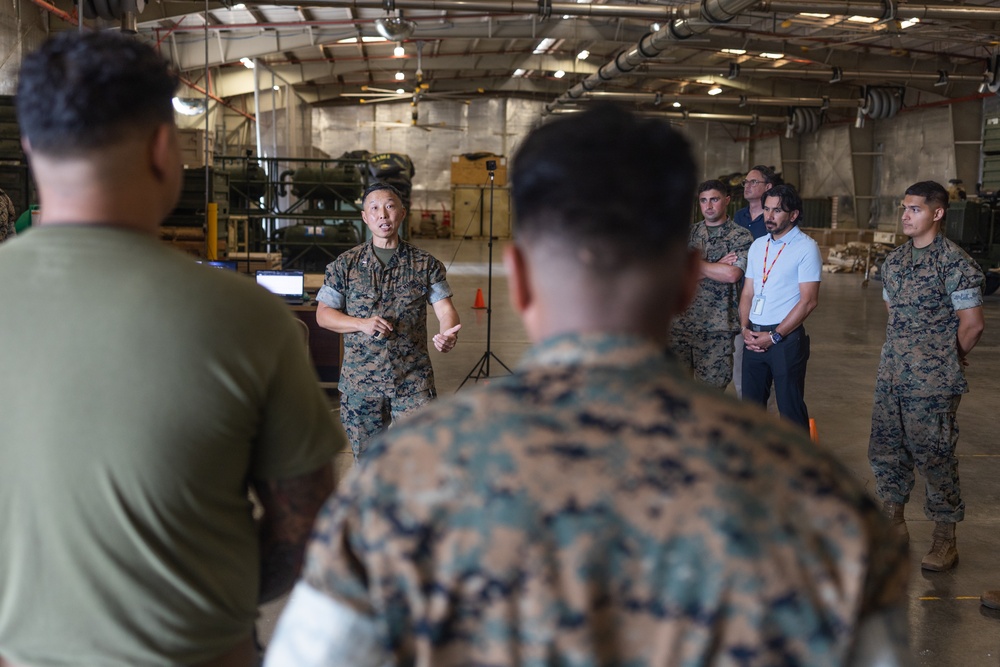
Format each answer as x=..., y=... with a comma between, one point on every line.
x=219, y=264
x=289, y=285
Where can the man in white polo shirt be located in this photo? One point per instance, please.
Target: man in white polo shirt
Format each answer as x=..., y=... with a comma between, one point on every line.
x=781, y=289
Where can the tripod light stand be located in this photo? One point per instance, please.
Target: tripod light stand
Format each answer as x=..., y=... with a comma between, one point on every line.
x=482, y=368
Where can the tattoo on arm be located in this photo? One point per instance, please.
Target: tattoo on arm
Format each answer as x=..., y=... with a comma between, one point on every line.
x=290, y=508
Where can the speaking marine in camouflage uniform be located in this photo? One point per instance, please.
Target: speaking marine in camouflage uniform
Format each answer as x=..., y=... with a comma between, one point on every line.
x=376, y=296
x=933, y=291
x=702, y=336
x=597, y=506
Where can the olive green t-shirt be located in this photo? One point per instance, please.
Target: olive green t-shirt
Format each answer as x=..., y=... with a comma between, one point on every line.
x=139, y=393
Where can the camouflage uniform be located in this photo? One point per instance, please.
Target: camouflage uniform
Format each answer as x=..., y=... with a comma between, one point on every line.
x=383, y=378
x=702, y=337
x=920, y=379
x=598, y=507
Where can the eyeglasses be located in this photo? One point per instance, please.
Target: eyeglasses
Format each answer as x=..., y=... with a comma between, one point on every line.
x=752, y=182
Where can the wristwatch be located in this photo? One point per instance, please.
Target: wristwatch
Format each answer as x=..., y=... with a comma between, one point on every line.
x=776, y=337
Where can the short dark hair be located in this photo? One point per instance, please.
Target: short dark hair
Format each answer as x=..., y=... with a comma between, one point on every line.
x=82, y=91
x=932, y=191
x=382, y=185
x=788, y=199
x=606, y=179
x=714, y=184
x=767, y=173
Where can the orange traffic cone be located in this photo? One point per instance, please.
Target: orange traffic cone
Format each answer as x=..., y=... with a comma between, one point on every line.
x=813, y=431
x=479, y=304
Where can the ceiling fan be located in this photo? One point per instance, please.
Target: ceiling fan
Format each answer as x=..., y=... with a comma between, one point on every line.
x=372, y=95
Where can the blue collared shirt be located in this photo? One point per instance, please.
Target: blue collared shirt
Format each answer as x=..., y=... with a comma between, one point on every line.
x=799, y=261
x=755, y=226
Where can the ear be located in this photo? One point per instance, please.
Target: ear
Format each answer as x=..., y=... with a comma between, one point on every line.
x=687, y=283
x=518, y=278
x=938, y=214
x=794, y=215
x=162, y=151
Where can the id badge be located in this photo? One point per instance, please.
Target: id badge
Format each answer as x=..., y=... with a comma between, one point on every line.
x=758, y=305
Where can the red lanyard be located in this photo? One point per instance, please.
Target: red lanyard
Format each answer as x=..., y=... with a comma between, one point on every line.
x=766, y=268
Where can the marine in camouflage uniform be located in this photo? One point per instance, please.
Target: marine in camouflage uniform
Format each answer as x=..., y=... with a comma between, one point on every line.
x=386, y=373
x=597, y=506
x=702, y=337
x=920, y=379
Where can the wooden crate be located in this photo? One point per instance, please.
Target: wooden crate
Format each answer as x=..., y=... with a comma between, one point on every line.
x=473, y=172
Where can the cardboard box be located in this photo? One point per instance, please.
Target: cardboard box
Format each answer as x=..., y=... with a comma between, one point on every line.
x=473, y=172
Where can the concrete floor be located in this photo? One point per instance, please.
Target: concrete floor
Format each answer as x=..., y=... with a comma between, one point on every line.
x=949, y=628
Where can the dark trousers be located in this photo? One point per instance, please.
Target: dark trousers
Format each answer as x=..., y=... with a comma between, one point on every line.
x=784, y=365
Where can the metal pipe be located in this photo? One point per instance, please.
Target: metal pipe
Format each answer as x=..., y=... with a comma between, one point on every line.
x=194, y=86
x=751, y=119
x=818, y=72
x=649, y=12
x=659, y=98
x=898, y=10
x=710, y=13
x=52, y=9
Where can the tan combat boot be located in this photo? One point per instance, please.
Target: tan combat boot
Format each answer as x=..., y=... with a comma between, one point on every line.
x=943, y=554
x=894, y=512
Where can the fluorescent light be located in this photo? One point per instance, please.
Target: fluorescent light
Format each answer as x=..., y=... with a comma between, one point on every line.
x=908, y=22
x=735, y=52
x=247, y=63
x=773, y=56
x=583, y=55
x=559, y=74
x=399, y=51
x=714, y=91
x=275, y=87
x=400, y=91
x=544, y=45
x=239, y=6
x=707, y=82
x=366, y=39
x=519, y=72
x=400, y=76
x=677, y=105
x=863, y=19
x=815, y=16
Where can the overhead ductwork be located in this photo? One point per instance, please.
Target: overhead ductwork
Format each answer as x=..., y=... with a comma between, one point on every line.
x=698, y=18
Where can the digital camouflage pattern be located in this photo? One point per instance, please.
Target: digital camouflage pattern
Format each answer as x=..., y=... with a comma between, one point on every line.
x=598, y=507
x=364, y=416
x=357, y=284
x=708, y=356
x=920, y=355
x=920, y=377
x=8, y=217
x=716, y=305
x=702, y=336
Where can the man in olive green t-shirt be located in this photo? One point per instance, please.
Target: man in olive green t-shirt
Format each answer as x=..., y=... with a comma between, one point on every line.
x=143, y=395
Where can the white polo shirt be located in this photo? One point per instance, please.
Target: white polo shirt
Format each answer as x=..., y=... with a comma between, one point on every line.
x=790, y=260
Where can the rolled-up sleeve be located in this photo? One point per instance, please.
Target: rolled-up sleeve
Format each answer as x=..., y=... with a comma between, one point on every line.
x=331, y=297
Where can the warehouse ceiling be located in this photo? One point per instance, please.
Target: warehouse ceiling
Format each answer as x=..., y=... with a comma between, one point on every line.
x=732, y=60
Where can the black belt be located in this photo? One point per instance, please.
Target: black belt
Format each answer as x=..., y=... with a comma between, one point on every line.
x=762, y=327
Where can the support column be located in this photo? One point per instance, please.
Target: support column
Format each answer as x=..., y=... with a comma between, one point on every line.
x=863, y=168
x=967, y=129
